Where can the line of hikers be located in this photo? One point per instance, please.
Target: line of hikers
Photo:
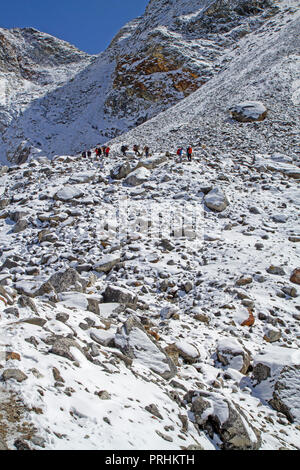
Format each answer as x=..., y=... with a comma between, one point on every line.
x=136, y=149
x=104, y=151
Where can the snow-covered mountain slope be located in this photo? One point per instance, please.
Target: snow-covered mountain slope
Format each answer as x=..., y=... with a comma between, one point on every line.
x=154, y=62
x=148, y=303
x=264, y=66
x=32, y=64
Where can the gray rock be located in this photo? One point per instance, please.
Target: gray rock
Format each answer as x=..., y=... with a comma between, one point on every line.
x=20, y=226
x=68, y=193
x=249, y=111
x=63, y=317
x=25, y=301
x=277, y=270
x=134, y=342
x=236, y=433
x=15, y=374
x=61, y=347
x=69, y=280
x=272, y=334
x=152, y=409
x=152, y=162
x=121, y=171
x=137, y=177
x=216, y=200
x=286, y=389
x=107, y=263
x=231, y=353
x=119, y=295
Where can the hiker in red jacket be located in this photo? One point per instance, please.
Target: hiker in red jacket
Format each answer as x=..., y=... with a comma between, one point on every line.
x=179, y=153
x=189, y=152
x=107, y=150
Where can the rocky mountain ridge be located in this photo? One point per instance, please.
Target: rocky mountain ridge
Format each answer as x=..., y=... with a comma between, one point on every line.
x=153, y=62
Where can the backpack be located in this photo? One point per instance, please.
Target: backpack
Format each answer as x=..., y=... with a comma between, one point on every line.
x=178, y=151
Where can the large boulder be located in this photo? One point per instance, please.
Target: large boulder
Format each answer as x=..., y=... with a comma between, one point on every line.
x=15, y=374
x=134, y=342
x=286, y=389
x=106, y=263
x=152, y=162
x=116, y=294
x=218, y=415
x=216, y=200
x=137, y=177
x=249, y=111
x=68, y=193
x=69, y=280
x=276, y=378
x=121, y=171
x=295, y=277
x=187, y=351
x=62, y=347
x=231, y=354
x=81, y=178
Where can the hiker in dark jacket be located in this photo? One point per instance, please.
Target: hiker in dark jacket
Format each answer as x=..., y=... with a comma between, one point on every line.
x=136, y=149
x=124, y=149
x=146, y=150
x=83, y=154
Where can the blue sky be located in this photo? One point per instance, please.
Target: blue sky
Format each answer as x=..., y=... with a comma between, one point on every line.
x=88, y=24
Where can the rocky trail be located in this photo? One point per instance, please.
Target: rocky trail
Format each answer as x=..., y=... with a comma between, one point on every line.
x=115, y=337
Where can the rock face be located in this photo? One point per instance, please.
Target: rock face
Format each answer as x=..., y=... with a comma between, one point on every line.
x=216, y=200
x=133, y=340
x=249, y=111
x=218, y=415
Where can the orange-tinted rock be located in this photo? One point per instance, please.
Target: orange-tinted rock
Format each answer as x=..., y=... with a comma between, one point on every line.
x=295, y=277
x=14, y=356
x=250, y=320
